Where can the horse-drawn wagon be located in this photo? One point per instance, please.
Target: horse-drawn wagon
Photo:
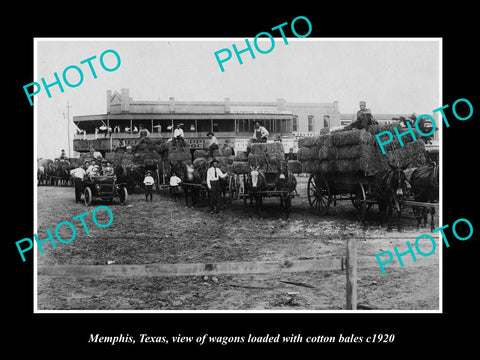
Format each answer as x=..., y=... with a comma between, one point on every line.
x=264, y=173
x=349, y=165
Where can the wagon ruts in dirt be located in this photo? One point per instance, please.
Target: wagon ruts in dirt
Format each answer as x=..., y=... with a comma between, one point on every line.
x=349, y=165
x=105, y=188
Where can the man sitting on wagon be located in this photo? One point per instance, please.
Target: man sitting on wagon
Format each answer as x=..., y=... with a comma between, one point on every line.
x=260, y=135
x=179, y=136
x=364, y=118
x=213, y=144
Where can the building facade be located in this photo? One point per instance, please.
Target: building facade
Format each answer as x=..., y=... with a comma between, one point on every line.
x=232, y=122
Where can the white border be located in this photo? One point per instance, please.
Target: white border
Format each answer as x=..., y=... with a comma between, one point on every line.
x=199, y=312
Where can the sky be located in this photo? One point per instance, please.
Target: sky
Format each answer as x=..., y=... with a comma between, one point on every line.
x=391, y=75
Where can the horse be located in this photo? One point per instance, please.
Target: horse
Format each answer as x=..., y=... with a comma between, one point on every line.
x=389, y=188
x=285, y=183
x=193, y=177
x=61, y=173
x=41, y=175
x=131, y=175
x=255, y=182
x=425, y=185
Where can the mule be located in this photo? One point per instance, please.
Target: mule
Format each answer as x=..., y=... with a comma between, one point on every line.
x=255, y=182
x=194, y=178
x=390, y=187
x=425, y=187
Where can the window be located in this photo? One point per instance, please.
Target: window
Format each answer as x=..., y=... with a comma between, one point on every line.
x=326, y=121
x=204, y=126
x=310, y=123
x=295, y=123
x=223, y=125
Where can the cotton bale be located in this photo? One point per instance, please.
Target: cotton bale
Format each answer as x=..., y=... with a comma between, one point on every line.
x=240, y=156
x=227, y=152
x=199, y=154
x=240, y=167
x=306, y=153
x=307, y=141
x=258, y=148
x=179, y=156
x=324, y=140
x=352, y=137
x=256, y=160
x=294, y=166
x=200, y=163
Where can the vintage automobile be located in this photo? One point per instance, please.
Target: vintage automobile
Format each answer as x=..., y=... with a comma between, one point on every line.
x=105, y=188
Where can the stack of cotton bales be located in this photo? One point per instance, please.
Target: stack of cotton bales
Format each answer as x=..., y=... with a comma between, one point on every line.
x=201, y=159
x=265, y=156
x=354, y=151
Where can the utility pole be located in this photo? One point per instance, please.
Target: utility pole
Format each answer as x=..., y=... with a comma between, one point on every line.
x=68, y=129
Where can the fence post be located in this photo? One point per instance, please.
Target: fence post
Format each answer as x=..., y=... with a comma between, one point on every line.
x=352, y=273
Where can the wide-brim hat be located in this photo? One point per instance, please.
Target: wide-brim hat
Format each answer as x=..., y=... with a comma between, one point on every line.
x=210, y=133
x=149, y=172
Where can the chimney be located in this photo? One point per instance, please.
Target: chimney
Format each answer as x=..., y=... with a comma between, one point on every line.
x=124, y=101
x=227, y=105
x=335, y=106
x=109, y=98
x=172, y=105
x=280, y=104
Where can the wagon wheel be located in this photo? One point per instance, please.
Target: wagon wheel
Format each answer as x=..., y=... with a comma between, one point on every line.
x=87, y=196
x=318, y=193
x=359, y=197
x=123, y=195
x=359, y=201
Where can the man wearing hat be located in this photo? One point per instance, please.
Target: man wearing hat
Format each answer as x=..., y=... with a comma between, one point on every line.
x=108, y=169
x=214, y=174
x=149, y=181
x=364, y=116
x=213, y=143
x=260, y=135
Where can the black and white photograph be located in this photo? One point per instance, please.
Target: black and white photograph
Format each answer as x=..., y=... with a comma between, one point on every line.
x=226, y=180
x=296, y=180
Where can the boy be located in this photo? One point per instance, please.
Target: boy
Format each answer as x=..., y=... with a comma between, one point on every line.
x=149, y=181
x=174, y=182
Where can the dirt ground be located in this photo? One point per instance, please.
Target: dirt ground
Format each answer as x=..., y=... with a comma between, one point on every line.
x=164, y=231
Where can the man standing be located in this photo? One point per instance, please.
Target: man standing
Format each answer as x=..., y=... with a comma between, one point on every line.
x=213, y=182
x=213, y=143
x=78, y=174
x=260, y=134
x=149, y=181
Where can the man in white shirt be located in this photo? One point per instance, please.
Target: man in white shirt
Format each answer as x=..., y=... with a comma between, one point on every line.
x=149, y=181
x=178, y=136
x=260, y=134
x=212, y=144
x=78, y=174
x=214, y=174
x=175, y=181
